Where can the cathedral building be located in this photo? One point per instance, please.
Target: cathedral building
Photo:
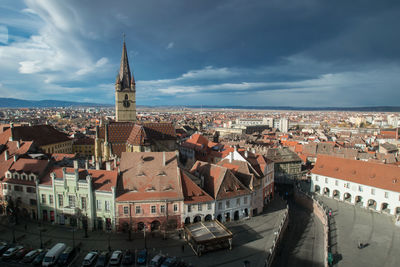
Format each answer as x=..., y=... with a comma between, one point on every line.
x=126, y=133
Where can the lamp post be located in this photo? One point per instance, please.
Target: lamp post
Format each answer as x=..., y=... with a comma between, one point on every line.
x=40, y=236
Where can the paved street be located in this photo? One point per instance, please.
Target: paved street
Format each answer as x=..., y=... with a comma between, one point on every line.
x=354, y=224
x=251, y=239
x=303, y=242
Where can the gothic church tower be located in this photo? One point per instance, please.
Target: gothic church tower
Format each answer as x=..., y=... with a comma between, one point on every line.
x=125, y=92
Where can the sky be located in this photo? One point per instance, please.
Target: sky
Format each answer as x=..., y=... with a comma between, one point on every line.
x=300, y=53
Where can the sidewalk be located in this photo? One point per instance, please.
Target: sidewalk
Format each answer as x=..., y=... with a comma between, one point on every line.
x=251, y=239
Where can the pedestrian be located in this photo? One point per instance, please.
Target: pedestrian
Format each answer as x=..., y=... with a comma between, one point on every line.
x=183, y=248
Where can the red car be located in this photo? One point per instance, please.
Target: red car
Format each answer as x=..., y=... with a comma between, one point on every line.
x=20, y=254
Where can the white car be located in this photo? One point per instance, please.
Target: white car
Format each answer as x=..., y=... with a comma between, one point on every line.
x=90, y=259
x=115, y=259
x=11, y=252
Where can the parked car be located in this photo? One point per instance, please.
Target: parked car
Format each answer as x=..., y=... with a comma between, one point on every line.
x=66, y=257
x=90, y=259
x=39, y=258
x=128, y=259
x=169, y=262
x=141, y=257
x=31, y=255
x=103, y=258
x=52, y=255
x=157, y=260
x=3, y=247
x=10, y=253
x=115, y=259
x=21, y=253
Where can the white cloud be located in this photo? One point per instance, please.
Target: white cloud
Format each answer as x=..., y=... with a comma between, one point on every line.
x=170, y=45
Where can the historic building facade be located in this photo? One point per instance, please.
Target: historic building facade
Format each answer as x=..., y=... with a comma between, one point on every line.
x=370, y=185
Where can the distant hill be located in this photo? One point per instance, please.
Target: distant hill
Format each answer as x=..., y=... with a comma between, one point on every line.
x=20, y=103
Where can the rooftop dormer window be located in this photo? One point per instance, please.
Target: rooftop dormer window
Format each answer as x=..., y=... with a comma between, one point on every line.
x=151, y=189
x=168, y=188
x=162, y=173
x=141, y=173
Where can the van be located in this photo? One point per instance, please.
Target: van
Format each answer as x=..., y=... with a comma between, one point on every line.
x=52, y=255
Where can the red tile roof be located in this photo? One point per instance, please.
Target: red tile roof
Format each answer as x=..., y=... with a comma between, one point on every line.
x=40, y=134
x=378, y=175
x=145, y=178
x=102, y=180
x=192, y=192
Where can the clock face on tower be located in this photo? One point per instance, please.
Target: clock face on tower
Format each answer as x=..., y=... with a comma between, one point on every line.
x=126, y=102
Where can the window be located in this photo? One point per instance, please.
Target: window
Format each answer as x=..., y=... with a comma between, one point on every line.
x=209, y=206
x=50, y=199
x=316, y=178
x=83, y=203
x=98, y=204
x=32, y=202
x=326, y=180
x=71, y=201
x=220, y=205
x=336, y=182
x=238, y=202
x=126, y=210
x=189, y=208
x=347, y=185
x=43, y=199
x=107, y=205
x=153, y=209
x=18, y=188
x=372, y=191
x=60, y=200
x=386, y=194
x=245, y=201
x=162, y=208
x=30, y=189
x=199, y=207
x=175, y=207
x=360, y=188
x=137, y=210
x=9, y=187
x=227, y=204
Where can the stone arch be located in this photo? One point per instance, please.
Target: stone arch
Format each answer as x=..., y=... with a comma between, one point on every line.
x=246, y=212
x=385, y=207
x=208, y=218
x=327, y=191
x=336, y=194
x=219, y=217
x=397, y=211
x=140, y=226
x=228, y=217
x=358, y=200
x=155, y=225
x=317, y=189
x=187, y=220
x=347, y=197
x=236, y=215
x=197, y=219
x=371, y=204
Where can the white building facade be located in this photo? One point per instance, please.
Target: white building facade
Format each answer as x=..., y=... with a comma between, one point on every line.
x=370, y=185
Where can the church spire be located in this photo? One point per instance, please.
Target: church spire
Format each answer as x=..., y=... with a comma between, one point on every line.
x=124, y=75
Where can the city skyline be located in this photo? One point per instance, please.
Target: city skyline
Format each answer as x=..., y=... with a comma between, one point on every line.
x=232, y=53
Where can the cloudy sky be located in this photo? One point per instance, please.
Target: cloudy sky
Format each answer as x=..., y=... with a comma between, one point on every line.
x=236, y=52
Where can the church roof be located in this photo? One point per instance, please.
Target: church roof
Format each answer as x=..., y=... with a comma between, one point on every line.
x=124, y=75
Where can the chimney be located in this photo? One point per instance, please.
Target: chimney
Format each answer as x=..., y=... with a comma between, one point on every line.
x=230, y=157
x=115, y=162
x=97, y=165
x=15, y=158
x=108, y=166
x=93, y=160
x=202, y=181
x=97, y=131
x=6, y=155
x=18, y=145
x=235, y=147
x=163, y=158
x=76, y=165
x=87, y=164
x=11, y=132
x=246, y=154
x=11, y=125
